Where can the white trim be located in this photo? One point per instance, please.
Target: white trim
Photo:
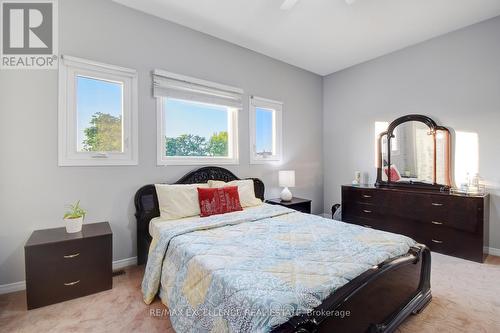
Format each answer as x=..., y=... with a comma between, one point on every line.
x=69, y=68
x=492, y=251
x=277, y=108
x=122, y=263
x=92, y=65
x=163, y=160
x=190, y=79
x=21, y=285
x=12, y=287
x=265, y=100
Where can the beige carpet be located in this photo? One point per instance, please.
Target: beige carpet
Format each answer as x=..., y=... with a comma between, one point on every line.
x=466, y=299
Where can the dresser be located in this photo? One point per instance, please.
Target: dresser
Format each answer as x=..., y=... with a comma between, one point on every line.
x=62, y=266
x=299, y=204
x=451, y=224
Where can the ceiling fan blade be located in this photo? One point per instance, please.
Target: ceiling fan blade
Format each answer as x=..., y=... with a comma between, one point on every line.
x=288, y=4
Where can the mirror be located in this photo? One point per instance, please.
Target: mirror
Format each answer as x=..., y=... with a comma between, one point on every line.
x=417, y=151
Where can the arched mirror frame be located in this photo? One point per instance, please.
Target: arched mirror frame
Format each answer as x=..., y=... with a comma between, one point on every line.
x=415, y=185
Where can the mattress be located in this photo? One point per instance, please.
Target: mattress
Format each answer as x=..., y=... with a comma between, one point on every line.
x=251, y=271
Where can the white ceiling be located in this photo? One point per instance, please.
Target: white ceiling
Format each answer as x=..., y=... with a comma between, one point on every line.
x=322, y=36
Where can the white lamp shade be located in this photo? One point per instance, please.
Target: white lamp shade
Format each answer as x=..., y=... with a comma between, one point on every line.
x=287, y=178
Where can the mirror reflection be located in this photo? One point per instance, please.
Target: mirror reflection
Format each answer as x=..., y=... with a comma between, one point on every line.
x=418, y=152
x=412, y=153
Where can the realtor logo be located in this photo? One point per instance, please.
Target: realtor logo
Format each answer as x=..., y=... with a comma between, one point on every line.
x=29, y=34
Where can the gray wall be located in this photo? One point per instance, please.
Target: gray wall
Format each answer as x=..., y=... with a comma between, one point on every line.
x=34, y=190
x=454, y=79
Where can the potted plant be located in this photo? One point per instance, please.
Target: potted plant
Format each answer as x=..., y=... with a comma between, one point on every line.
x=74, y=218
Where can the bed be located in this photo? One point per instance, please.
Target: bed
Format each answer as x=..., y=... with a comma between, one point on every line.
x=239, y=265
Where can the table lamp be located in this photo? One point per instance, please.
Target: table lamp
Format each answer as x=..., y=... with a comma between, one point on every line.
x=286, y=180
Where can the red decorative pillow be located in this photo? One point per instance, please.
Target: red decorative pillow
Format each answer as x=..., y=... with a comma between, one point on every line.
x=395, y=175
x=218, y=200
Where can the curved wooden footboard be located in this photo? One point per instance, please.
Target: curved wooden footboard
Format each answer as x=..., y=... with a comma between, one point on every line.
x=376, y=301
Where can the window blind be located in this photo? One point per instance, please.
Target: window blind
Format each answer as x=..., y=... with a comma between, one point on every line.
x=166, y=84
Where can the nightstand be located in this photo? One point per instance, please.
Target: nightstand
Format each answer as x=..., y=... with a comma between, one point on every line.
x=62, y=266
x=302, y=205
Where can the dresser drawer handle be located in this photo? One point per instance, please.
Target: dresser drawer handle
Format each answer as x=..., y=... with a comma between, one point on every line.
x=366, y=196
x=367, y=226
x=437, y=204
x=437, y=223
x=437, y=241
x=367, y=211
x=71, y=283
x=72, y=255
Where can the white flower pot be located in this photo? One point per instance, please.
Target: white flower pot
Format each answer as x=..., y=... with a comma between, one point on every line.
x=74, y=225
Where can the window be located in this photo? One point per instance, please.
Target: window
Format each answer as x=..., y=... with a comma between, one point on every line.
x=197, y=120
x=97, y=114
x=265, y=130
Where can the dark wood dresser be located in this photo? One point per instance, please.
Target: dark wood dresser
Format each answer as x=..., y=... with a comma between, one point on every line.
x=62, y=266
x=299, y=204
x=451, y=224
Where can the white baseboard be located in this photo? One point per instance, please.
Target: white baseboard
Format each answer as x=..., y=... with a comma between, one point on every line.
x=12, y=287
x=21, y=285
x=493, y=251
x=122, y=263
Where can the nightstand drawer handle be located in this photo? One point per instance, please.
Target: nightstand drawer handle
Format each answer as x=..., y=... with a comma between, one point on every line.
x=437, y=241
x=367, y=211
x=366, y=196
x=437, y=204
x=437, y=223
x=72, y=255
x=71, y=283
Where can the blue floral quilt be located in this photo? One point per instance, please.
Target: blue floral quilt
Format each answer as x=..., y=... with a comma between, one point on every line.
x=251, y=271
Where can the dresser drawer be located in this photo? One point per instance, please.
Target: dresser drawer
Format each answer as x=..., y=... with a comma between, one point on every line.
x=364, y=222
x=360, y=210
x=56, y=255
x=450, y=211
x=371, y=216
x=49, y=289
x=364, y=196
x=452, y=242
x=64, y=270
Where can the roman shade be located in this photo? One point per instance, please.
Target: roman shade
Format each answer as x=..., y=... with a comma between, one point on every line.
x=166, y=84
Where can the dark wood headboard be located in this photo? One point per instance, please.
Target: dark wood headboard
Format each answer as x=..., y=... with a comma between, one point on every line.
x=146, y=202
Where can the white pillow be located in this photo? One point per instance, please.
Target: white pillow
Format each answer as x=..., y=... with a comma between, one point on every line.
x=178, y=200
x=246, y=191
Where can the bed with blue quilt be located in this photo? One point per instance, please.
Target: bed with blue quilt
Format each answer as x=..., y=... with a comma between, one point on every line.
x=272, y=269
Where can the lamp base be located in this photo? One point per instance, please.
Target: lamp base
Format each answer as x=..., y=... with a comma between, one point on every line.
x=286, y=195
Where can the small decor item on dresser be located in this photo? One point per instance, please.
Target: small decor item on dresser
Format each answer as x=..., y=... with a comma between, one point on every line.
x=74, y=218
x=286, y=180
x=473, y=186
x=357, y=178
x=395, y=175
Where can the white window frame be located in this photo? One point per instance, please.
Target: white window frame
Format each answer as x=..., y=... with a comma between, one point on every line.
x=233, y=150
x=69, y=69
x=277, y=108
